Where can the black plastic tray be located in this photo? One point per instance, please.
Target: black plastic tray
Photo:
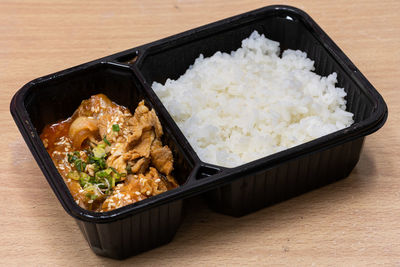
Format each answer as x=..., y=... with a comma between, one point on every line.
x=126, y=78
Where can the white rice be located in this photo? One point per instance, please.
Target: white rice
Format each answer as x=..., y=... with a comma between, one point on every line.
x=238, y=107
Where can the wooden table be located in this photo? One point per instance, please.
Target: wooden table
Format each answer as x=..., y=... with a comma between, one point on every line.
x=352, y=222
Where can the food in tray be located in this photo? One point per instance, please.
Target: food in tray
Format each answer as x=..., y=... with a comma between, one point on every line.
x=108, y=157
x=238, y=107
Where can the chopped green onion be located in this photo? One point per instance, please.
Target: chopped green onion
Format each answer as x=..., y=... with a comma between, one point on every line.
x=84, y=179
x=84, y=175
x=80, y=165
x=72, y=158
x=103, y=185
x=96, y=168
x=91, y=196
x=106, y=141
x=74, y=175
x=99, y=163
x=104, y=178
x=103, y=174
x=102, y=163
x=115, y=127
x=116, y=175
x=99, y=152
x=92, y=191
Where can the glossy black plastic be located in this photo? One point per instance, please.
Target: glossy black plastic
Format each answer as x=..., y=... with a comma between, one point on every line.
x=126, y=78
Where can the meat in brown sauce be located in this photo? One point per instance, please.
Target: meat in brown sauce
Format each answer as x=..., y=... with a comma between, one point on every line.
x=108, y=157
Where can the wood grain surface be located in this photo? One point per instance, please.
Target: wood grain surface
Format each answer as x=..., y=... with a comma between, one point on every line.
x=354, y=222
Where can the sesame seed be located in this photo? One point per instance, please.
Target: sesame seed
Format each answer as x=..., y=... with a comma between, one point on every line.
x=90, y=201
x=45, y=142
x=157, y=180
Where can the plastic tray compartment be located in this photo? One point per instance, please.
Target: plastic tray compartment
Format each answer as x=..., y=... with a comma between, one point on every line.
x=125, y=231
x=296, y=170
x=126, y=78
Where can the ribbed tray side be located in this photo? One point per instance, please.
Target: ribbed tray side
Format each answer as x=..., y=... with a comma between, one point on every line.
x=135, y=234
x=257, y=190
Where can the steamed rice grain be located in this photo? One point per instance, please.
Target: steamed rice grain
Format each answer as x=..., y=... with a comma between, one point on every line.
x=238, y=107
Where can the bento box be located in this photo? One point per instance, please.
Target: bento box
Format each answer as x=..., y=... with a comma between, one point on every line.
x=126, y=77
